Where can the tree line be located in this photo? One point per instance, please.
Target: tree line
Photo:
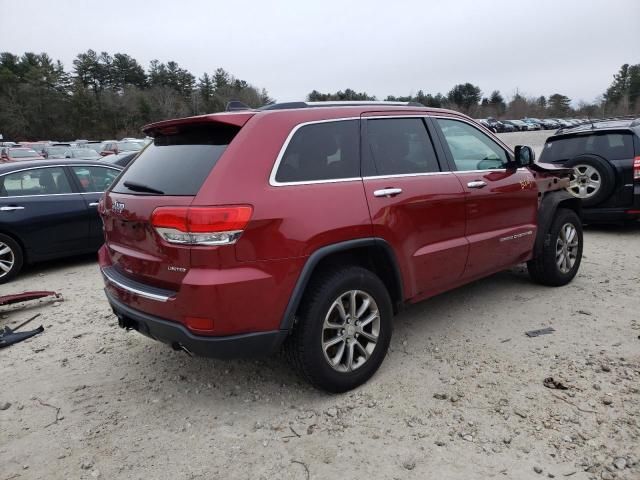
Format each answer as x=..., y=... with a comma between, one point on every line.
x=112, y=96
x=621, y=98
x=106, y=96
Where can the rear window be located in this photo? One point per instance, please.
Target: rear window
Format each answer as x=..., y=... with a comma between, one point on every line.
x=612, y=146
x=322, y=151
x=178, y=161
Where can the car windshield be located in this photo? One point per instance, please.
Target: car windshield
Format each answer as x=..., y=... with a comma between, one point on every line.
x=22, y=153
x=129, y=146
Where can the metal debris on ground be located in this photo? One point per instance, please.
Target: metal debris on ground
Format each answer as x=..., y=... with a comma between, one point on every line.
x=29, y=296
x=549, y=382
x=542, y=331
x=9, y=336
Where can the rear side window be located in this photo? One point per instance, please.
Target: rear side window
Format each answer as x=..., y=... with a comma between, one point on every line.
x=401, y=146
x=37, y=181
x=178, y=161
x=612, y=146
x=322, y=151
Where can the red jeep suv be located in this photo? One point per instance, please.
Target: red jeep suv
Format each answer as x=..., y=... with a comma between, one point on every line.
x=309, y=225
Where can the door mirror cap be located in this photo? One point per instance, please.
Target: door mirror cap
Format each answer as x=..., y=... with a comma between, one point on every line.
x=524, y=155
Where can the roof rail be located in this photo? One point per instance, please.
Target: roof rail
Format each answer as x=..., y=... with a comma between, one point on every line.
x=338, y=103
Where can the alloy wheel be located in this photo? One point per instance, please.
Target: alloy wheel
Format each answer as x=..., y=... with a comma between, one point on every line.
x=585, y=181
x=7, y=259
x=567, y=248
x=350, y=331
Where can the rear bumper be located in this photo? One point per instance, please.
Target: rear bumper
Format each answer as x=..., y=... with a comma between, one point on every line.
x=258, y=344
x=609, y=215
x=614, y=215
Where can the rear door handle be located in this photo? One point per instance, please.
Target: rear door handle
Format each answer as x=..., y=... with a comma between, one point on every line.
x=477, y=184
x=93, y=204
x=387, y=192
x=9, y=208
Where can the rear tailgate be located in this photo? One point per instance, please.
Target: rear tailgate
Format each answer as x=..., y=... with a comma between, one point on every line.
x=168, y=173
x=135, y=249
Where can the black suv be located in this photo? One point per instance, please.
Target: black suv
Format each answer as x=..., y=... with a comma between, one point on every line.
x=605, y=157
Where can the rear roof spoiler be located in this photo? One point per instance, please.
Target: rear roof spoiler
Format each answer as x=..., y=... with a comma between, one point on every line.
x=237, y=118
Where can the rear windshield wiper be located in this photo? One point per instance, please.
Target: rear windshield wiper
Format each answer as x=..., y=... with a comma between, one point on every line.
x=139, y=187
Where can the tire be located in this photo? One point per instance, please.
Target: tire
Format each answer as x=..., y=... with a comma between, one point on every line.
x=593, y=179
x=11, y=257
x=547, y=268
x=304, y=347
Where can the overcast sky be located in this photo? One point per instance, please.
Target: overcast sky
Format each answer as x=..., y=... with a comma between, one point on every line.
x=290, y=47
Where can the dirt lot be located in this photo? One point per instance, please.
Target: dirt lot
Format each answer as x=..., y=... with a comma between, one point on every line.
x=460, y=394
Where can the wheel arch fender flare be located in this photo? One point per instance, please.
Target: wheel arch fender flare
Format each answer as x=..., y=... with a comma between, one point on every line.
x=547, y=211
x=326, y=251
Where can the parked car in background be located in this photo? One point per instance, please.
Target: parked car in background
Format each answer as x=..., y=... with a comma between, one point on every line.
x=485, y=124
x=563, y=123
x=82, y=153
x=519, y=127
x=96, y=146
x=111, y=148
x=235, y=233
x=496, y=126
x=48, y=209
x=551, y=124
x=507, y=127
x=18, y=154
x=532, y=123
x=605, y=157
x=37, y=146
x=120, y=159
x=56, y=151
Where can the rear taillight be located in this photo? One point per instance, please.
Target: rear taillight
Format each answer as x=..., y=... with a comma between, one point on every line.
x=201, y=225
x=636, y=169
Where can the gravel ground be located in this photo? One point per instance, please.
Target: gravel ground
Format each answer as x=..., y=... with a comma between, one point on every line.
x=534, y=139
x=460, y=395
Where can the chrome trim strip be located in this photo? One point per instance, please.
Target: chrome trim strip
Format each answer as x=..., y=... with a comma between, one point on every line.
x=402, y=175
x=274, y=183
x=150, y=296
x=274, y=170
x=272, y=177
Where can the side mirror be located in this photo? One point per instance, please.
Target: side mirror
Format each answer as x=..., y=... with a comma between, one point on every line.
x=525, y=155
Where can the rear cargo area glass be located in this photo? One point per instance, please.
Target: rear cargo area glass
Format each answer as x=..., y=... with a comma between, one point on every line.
x=179, y=159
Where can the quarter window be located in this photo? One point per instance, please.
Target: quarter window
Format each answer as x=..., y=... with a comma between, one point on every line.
x=95, y=179
x=322, y=151
x=470, y=148
x=38, y=181
x=401, y=146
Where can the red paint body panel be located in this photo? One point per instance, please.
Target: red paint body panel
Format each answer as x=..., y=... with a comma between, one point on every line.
x=424, y=225
x=507, y=206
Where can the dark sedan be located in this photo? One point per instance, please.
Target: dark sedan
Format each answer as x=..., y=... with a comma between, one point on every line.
x=48, y=209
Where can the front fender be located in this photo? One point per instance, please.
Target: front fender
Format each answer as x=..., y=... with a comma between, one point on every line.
x=547, y=212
